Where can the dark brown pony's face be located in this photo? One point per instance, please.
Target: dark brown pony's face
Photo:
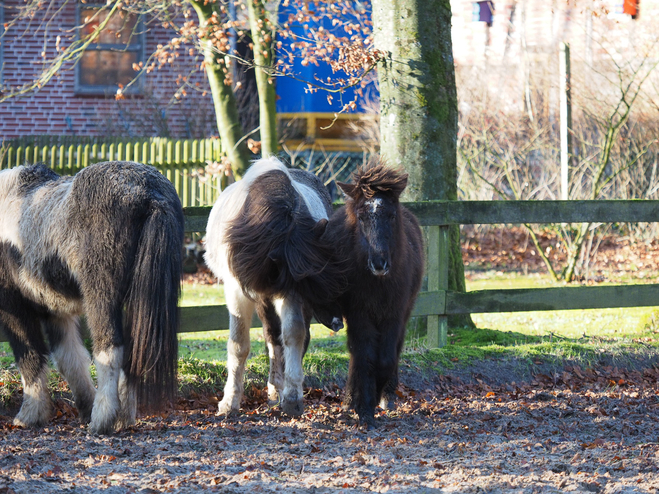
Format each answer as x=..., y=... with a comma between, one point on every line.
x=376, y=221
x=374, y=204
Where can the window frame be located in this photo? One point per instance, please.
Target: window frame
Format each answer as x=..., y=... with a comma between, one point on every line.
x=2, y=45
x=89, y=90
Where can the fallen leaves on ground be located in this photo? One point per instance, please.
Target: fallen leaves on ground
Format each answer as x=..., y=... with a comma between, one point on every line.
x=586, y=430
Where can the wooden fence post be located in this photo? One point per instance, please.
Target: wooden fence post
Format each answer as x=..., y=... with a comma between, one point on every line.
x=437, y=269
x=565, y=98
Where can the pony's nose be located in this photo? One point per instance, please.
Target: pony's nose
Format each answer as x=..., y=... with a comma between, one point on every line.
x=378, y=266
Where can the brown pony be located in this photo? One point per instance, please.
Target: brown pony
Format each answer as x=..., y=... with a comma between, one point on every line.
x=383, y=243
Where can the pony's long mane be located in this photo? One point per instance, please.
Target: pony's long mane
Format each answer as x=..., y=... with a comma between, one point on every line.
x=377, y=177
x=274, y=247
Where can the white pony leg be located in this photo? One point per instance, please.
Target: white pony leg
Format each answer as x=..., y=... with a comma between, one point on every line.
x=276, y=377
x=37, y=406
x=241, y=310
x=293, y=335
x=107, y=405
x=128, y=403
x=72, y=361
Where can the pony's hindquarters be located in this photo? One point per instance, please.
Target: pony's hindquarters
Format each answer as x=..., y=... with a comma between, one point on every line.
x=128, y=222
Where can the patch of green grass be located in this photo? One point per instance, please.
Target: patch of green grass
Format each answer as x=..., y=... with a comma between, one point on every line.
x=195, y=294
x=531, y=340
x=617, y=323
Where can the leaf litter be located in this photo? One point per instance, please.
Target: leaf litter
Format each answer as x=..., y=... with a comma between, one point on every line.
x=578, y=430
x=573, y=430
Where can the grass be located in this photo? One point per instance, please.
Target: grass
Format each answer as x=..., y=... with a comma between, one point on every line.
x=530, y=340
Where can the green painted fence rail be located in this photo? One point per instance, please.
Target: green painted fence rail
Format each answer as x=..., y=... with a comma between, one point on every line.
x=439, y=302
x=181, y=160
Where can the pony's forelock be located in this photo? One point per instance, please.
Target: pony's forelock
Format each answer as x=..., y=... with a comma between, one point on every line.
x=377, y=177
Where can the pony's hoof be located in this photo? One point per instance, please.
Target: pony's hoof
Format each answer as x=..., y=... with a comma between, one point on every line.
x=124, y=422
x=33, y=417
x=85, y=414
x=387, y=403
x=293, y=408
x=368, y=423
x=226, y=408
x=19, y=422
x=273, y=395
x=102, y=428
x=346, y=404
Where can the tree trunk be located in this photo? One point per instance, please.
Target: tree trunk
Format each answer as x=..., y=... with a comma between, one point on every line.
x=418, y=106
x=263, y=37
x=224, y=101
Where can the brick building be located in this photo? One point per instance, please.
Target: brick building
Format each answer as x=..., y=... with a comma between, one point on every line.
x=514, y=37
x=80, y=100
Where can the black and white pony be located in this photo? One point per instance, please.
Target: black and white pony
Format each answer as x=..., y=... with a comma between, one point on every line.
x=108, y=239
x=263, y=241
x=383, y=243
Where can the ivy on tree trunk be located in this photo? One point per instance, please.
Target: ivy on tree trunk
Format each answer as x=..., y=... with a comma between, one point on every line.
x=418, y=106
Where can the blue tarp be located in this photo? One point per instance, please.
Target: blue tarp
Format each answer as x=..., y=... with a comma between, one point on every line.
x=292, y=94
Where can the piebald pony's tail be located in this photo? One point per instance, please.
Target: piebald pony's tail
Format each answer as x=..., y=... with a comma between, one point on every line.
x=152, y=313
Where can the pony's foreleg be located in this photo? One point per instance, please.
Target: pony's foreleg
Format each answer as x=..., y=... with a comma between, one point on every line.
x=392, y=336
x=361, y=385
x=72, y=360
x=241, y=310
x=295, y=339
x=31, y=356
x=272, y=337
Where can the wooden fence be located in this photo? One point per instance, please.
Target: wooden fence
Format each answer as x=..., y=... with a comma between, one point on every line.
x=182, y=161
x=439, y=302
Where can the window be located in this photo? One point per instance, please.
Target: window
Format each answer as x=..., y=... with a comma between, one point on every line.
x=629, y=7
x=108, y=62
x=483, y=12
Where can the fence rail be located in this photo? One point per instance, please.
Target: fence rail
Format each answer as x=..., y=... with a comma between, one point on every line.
x=439, y=302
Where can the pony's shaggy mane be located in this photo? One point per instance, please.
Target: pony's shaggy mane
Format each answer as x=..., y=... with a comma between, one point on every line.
x=377, y=177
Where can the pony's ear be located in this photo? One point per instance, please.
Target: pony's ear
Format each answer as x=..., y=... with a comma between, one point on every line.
x=400, y=186
x=319, y=228
x=348, y=189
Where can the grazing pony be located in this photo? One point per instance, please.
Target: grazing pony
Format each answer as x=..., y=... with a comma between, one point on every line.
x=384, y=245
x=263, y=241
x=108, y=239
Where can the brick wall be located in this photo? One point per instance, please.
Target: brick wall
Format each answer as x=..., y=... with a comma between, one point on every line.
x=56, y=109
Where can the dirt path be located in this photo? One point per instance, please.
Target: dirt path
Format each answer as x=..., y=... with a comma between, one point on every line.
x=578, y=431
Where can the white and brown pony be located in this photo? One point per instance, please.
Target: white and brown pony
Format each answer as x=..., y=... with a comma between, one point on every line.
x=106, y=242
x=263, y=241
